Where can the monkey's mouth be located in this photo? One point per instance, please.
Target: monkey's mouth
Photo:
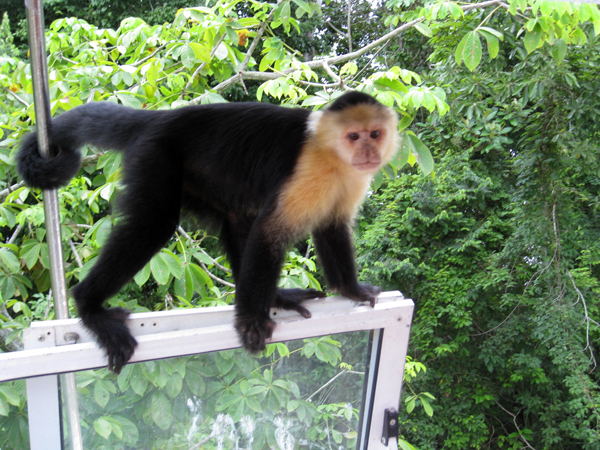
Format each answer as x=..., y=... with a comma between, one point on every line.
x=367, y=165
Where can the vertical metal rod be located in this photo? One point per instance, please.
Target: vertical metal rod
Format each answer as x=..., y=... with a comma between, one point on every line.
x=39, y=73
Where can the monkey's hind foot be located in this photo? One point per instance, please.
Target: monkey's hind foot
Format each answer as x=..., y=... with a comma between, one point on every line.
x=291, y=299
x=111, y=333
x=254, y=331
x=363, y=293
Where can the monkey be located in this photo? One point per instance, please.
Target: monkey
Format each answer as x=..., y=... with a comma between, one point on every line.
x=263, y=175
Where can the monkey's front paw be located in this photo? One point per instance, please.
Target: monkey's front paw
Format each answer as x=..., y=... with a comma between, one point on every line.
x=112, y=334
x=254, y=331
x=364, y=293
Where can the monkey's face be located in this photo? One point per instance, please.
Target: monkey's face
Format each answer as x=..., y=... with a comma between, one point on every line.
x=363, y=147
x=364, y=137
x=367, y=138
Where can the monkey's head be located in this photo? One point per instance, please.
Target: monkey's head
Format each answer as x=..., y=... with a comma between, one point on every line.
x=361, y=131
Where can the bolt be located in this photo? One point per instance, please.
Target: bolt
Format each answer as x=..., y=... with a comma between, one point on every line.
x=71, y=337
x=41, y=338
x=393, y=422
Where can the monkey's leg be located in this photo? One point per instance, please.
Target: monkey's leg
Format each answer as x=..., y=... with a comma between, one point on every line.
x=336, y=252
x=130, y=246
x=150, y=213
x=234, y=235
x=256, y=287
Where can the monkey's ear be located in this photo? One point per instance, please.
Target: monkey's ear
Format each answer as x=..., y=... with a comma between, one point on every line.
x=313, y=122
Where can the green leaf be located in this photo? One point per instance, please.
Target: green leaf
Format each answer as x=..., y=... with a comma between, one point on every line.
x=129, y=99
x=173, y=262
x=10, y=395
x=195, y=382
x=30, y=252
x=559, y=50
x=225, y=401
x=472, y=50
x=405, y=123
x=223, y=365
x=10, y=260
x=460, y=48
x=188, y=56
x=420, y=150
x=162, y=413
x=101, y=394
x=103, y=427
x=493, y=32
x=110, y=162
x=142, y=276
x=174, y=385
x=129, y=432
x=424, y=29
x=138, y=383
x=201, y=52
x=222, y=51
x=427, y=407
x=203, y=258
x=402, y=444
x=533, y=38
x=160, y=269
x=492, y=43
x=254, y=404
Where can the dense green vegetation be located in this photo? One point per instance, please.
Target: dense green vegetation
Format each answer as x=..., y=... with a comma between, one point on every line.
x=498, y=246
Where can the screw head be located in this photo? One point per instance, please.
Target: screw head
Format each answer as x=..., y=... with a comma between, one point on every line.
x=71, y=337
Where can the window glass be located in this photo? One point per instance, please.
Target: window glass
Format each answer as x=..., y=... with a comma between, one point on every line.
x=304, y=394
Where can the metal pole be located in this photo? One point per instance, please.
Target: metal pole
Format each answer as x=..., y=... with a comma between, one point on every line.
x=39, y=73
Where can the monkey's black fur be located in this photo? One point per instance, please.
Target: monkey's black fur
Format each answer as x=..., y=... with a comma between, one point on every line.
x=225, y=163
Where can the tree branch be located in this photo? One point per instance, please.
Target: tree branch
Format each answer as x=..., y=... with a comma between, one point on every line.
x=319, y=63
x=343, y=372
x=208, y=272
x=8, y=190
x=587, y=319
x=514, y=417
x=75, y=254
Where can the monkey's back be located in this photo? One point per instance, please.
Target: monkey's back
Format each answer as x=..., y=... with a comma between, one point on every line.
x=237, y=155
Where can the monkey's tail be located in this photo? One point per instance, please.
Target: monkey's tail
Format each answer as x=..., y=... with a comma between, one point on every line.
x=103, y=124
x=43, y=173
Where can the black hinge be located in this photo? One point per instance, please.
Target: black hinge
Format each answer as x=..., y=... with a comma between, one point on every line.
x=390, y=425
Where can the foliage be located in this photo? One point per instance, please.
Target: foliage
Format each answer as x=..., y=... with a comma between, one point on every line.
x=498, y=250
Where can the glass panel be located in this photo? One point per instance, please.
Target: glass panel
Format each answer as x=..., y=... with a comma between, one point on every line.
x=14, y=428
x=304, y=394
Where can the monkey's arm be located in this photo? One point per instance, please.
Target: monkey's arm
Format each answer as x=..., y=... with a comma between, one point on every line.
x=336, y=253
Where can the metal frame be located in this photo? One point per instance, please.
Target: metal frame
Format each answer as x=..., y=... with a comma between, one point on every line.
x=39, y=71
x=61, y=346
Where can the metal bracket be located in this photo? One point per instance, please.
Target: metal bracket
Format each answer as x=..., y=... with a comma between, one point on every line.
x=390, y=425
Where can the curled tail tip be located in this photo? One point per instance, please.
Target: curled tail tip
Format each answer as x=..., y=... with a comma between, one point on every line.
x=42, y=173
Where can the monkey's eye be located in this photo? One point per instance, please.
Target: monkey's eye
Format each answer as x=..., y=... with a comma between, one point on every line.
x=375, y=134
x=353, y=136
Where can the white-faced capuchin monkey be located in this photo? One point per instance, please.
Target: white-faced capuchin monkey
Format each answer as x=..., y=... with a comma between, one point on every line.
x=264, y=175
